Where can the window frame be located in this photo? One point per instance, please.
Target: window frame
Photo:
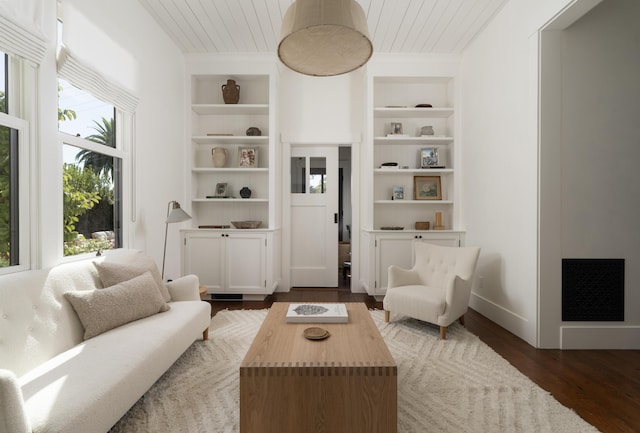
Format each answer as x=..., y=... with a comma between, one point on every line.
x=121, y=151
x=20, y=77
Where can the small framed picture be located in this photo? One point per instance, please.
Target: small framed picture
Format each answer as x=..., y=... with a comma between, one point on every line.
x=429, y=157
x=221, y=190
x=427, y=188
x=398, y=193
x=396, y=128
x=248, y=157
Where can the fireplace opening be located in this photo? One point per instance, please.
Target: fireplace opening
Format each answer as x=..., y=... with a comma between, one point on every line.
x=593, y=290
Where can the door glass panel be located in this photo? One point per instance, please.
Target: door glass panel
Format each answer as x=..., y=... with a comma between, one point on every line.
x=318, y=175
x=298, y=173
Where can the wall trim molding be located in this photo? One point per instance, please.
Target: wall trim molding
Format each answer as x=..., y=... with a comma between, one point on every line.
x=590, y=337
x=513, y=322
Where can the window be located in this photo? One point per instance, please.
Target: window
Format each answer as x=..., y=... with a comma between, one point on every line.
x=14, y=174
x=92, y=172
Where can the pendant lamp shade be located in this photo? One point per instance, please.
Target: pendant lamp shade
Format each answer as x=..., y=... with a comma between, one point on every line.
x=324, y=37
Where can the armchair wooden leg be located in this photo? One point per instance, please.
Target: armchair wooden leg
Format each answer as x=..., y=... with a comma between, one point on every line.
x=205, y=334
x=443, y=332
x=461, y=320
x=387, y=315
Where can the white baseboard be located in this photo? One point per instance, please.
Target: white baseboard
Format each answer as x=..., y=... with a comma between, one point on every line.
x=509, y=320
x=600, y=337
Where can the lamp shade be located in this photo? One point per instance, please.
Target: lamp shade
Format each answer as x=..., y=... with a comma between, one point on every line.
x=177, y=214
x=324, y=37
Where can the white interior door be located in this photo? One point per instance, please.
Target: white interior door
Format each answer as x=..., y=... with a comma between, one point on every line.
x=314, y=216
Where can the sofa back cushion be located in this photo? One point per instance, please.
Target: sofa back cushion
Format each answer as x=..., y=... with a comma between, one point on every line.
x=36, y=321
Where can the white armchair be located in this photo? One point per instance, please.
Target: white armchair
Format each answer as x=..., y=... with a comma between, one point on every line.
x=436, y=289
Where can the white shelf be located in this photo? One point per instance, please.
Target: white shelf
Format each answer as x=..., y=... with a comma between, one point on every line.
x=230, y=109
x=406, y=112
x=230, y=139
x=229, y=200
x=420, y=171
x=428, y=139
x=207, y=170
x=416, y=202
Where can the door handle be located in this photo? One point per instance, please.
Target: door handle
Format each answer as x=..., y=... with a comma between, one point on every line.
x=335, y=218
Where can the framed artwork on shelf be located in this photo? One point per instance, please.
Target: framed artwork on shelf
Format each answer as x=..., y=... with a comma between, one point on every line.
x=429, y=158
x=396, y=128
x=221, y=190
x=248, y=157
x=427, y=188
x=398, y=193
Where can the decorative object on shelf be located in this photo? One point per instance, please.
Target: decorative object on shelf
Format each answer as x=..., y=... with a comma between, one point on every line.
x=426, y=130
x=245, y=192
x=248, y=157
x=254, y=131
x=427, y=188
x=429, y=157
x=422, y=225
x=221, y=190
x=391, y=228
x=246, y=224
x=424, y=106
x=223, y=134
x=215, y=226
x=175, y=214
x=389, y=165
x=219, y=156
x=324, y=38
x=396, y=128
x=231, y=92
x=438, y=225
x=398, y=193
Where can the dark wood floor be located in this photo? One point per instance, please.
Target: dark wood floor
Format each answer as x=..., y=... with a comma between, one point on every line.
x=602, y=386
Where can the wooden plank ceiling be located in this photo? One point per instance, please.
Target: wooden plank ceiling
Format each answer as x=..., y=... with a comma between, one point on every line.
x=399, y=26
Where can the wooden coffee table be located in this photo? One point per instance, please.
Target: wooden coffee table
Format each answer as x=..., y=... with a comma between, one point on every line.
x=346, y=383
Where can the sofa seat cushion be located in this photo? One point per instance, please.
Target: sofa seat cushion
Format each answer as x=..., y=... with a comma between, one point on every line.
x=421, y=302
x=100, y=310
x=93, y=384
x=117, y=269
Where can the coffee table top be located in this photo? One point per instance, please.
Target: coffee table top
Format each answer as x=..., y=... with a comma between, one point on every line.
x=355, y=343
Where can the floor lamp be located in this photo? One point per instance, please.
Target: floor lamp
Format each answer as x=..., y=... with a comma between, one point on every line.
x=175, y=214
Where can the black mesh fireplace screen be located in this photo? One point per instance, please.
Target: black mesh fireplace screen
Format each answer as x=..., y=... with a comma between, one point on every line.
x=592, y=289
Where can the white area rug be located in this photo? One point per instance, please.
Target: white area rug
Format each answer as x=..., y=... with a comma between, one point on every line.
x=459, y=385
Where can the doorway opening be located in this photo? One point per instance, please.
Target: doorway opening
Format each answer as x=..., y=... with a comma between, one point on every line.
x=344, y=220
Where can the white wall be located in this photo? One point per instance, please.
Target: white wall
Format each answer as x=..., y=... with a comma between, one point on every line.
x=158, y=82
x=591, y=164
x=500, y=158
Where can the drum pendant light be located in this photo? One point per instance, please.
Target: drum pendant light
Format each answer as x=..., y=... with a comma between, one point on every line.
x=324, y=37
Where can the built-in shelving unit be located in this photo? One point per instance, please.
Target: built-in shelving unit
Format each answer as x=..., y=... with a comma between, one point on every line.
x=395, y=131
x=216, y=125
x=213, y=248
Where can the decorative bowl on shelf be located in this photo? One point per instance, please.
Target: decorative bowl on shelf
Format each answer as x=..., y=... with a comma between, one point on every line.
x=246, y=224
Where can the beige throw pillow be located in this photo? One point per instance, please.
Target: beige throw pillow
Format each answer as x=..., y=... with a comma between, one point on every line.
x=116, y=270
x=100, y=310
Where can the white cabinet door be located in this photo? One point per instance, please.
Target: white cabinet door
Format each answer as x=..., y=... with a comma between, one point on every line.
x=397, y=249
x=246, y=263
x=204, y=256
x=226, y=262
x=392, y=249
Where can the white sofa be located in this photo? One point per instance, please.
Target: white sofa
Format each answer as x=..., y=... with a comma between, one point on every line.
x=52, y=379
